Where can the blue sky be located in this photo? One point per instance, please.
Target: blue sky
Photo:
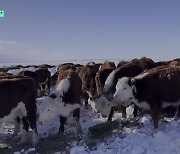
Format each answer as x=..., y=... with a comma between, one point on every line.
x=48, y=30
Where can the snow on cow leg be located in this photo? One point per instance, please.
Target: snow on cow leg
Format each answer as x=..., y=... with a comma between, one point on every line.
x=76, y=115
x=24, y=136
x=78, y=126
x=35, y=137
x=17, y=127
x=25, y=130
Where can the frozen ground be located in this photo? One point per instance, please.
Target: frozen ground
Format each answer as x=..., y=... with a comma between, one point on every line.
x=131, y=139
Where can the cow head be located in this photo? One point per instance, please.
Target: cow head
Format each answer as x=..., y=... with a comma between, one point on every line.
x=103, y=104
x=125, y=90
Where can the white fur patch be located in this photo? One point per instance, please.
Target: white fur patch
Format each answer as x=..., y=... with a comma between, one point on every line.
x=24, y=136
x=35, y=137
x=140, y=76
x=109, y=81
x=100, y=68
x=62, y=87
x=18, y=111
x=16, y=128
x=124, y=93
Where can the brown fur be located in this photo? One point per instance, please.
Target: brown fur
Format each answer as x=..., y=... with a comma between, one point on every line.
x=33, y=75
x=67, y=67
x=87, y=74
x=122, y=63
x=107, y=65
x=145, y=63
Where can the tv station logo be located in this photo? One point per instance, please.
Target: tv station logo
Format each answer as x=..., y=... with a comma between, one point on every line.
x=1, y=13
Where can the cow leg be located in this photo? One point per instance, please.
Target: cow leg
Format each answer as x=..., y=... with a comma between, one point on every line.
x=135, y=112
x=25, y=130
x=46, y=88
x=111, y=114
x=17, y=126
x=177, y=114
x=62, y=122
x=76, y=115
x=124, y=112
x=155, y=113
x=86, y=97
x=33, y=126
x=49, y=85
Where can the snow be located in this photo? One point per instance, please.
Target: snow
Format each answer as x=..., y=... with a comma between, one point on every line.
x=137, y=139
x=16, y=71
x=52, y=70
x=30, y=150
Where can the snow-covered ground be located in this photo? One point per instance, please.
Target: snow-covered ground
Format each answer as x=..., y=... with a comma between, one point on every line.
x=52, y=70
x=132, y=139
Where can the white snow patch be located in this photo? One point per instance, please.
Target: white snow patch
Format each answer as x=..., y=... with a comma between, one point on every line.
x=16, y=71
x=52, y=70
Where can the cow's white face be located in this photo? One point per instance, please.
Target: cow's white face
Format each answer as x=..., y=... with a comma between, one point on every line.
x=103, y=105
x=124, y=92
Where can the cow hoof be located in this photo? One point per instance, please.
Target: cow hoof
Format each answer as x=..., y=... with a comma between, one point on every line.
x=79, y=131
x=23, y=141
x=35, y=141
x=60, y=132
x=15, y=134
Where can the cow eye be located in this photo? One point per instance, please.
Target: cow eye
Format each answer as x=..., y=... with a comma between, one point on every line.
x=125, y=88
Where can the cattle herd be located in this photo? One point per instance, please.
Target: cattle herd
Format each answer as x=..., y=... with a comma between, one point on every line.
x=152, y=87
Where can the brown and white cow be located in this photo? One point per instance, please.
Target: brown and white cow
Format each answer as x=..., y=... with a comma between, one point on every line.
x=152, y=91
x=18, y=101
x=65, y=99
